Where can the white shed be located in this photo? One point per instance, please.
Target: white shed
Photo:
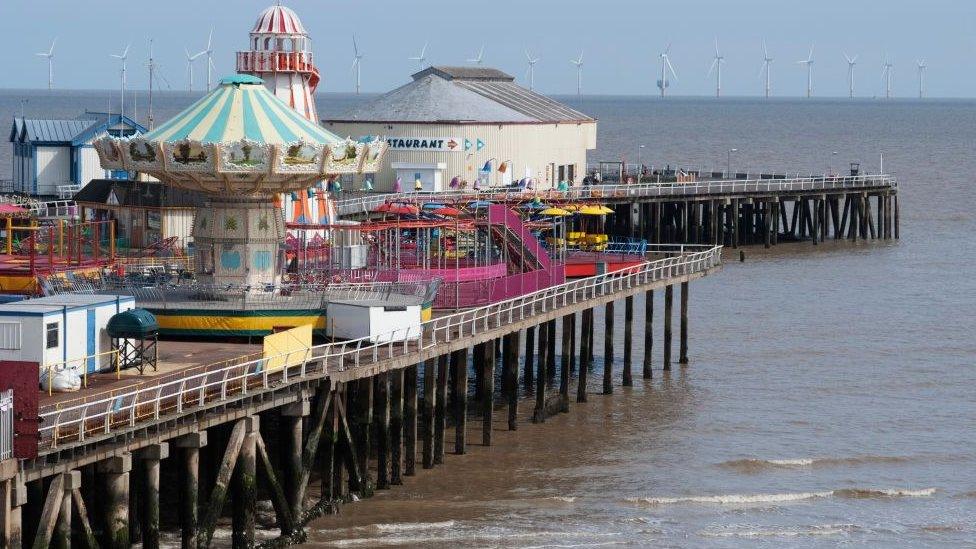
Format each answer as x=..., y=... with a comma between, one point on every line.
x=60, y=329
x=375, y=319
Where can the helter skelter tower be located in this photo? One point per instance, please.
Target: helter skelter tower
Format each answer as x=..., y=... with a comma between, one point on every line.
x=281, y=55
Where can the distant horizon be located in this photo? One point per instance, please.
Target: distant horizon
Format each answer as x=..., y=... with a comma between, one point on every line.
x=621, y=42
x=561, y=95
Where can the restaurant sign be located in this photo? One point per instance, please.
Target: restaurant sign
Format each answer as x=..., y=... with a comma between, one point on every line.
x=443, y=144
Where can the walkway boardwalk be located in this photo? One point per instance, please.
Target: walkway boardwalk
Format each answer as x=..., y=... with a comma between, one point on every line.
x=256, y=384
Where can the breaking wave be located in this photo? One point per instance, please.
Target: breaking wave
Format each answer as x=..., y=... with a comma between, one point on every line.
x=814, y=530
x=751, y=465
x=736, y=499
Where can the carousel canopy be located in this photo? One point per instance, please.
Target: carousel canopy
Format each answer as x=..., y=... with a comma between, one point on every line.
x=241, y=108
x=241, y=138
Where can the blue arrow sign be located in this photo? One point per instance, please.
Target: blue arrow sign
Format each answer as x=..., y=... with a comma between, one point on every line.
x=481, y=144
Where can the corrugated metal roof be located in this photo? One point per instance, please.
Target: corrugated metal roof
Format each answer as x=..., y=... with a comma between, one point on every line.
x=49, y=131
x=524, y=101
x=462, y=94
x=433, y=99
x=465, y=73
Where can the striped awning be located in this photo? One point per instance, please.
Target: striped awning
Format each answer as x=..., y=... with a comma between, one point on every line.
x=241, y=108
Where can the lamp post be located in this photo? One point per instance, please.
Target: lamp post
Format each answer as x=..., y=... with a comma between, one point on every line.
x=640, y=167
x=830, y=163
x=728, y=164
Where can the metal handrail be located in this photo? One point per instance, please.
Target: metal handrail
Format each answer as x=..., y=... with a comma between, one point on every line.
x=366, y=203
x=6, y=424
x=126, y=408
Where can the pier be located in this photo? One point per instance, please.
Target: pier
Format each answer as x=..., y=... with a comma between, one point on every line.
x=731, y=212
x=356, y=416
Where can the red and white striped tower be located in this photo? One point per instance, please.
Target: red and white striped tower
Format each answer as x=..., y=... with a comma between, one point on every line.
x=281, y=55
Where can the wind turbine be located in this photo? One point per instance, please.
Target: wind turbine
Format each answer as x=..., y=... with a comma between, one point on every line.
x=531, y=72
x=422, y=58
x=480, y=58
x=49, y=55
x=357, y=63
x=665, y=67
x=767, y=61
x=921, y=78
x=579, y=75
x=123, y=57
x=209, y=52
x=189, y=67
x=717, y=63
x=809, y=63
x=851, y=61
x=886, y=76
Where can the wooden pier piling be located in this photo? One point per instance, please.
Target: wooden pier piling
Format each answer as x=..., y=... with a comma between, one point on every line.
x=608, y=349
x=628, y=380
x=668, y=302
x=511, y=366
x=459, y=363
x=586, y=331
x=396, y=427
x=440, y=427
x=429, y=426
x=528, y=375
x=648, y=333
x=488, y=391
x=565, y=354
x=410, y=421
x=683, y=345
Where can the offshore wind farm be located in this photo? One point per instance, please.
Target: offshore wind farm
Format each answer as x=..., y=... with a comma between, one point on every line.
x=394, y=275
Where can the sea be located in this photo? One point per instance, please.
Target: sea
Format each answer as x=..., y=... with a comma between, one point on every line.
x=829, y=399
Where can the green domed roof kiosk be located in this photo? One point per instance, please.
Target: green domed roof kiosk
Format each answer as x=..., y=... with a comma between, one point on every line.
x=135, y=334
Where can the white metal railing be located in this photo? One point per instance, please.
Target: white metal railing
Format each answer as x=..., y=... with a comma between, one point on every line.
x=126, y=408
x=60, y=209
x=6, y=424
x=68, y=191
x=365, y=203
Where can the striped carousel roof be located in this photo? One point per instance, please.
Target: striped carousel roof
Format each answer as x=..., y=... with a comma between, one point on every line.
x=241, y=107
x=280, y=20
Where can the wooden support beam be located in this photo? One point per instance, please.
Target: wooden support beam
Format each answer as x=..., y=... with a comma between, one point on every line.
x=244, y=502
x=572, y=344
x=897, y=223
x=381, y=420
x=488, y=390
x=608, y=315
x=49, y=513
x=628, y=379
x=189, y=486
x=668, y=302
x=150, y=457
x=565, y=355
x=62, y=528
x=528, y=374
x=428, y=425
x=87, y=533
x=282, y=506
x=291, y=422
x=551, y=350
x=586, y=329
x=218, y=496
x=510, y=360
x=410, y=421
x=648, y=333
x=543, y=354
x=318, y=421
x=440, y=427
x=539, y=413
x=459, y=362
x=329, y=485
x=115, y=476
x=683, y=347
x=357, y=481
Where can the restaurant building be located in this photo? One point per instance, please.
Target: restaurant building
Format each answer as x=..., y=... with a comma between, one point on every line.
x=471, y=124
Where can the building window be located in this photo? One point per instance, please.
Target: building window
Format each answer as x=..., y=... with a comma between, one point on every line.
x=10, y=335
x=51, y=335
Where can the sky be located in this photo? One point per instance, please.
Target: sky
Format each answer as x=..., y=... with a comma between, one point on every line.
x=621, y=41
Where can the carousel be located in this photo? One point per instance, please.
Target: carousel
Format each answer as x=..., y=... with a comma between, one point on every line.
x=243, y=148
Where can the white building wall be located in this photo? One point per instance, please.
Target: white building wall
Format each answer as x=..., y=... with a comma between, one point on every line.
x=53, y=169
x=89, y=165
x=527, y=146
